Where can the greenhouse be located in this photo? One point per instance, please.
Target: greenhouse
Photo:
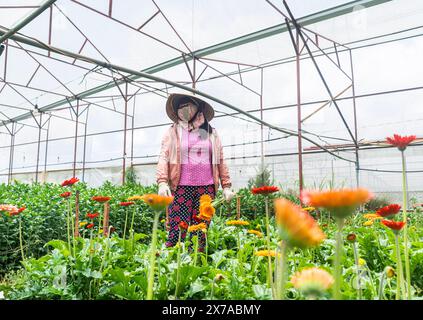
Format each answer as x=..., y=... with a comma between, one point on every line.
x=310, y=186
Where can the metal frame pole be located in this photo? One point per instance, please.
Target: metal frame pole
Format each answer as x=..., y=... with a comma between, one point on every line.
x=38, y=146
x=299, y=124
x=132, y=132
x=357, y=156
x=261, y=124
x=46, y=150
x=125, y=124
x=85, y=146
x=12, y=147
x=27, y=20
x=76, y=137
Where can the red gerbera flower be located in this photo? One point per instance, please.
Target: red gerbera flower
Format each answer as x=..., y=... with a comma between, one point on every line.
x=16, y=212
x=93, y=215
x=89, y=226
x=265, y=190
x=70, y=182
x=183, y=225
x=395, y=226
x=389, y=210
x=65, y=194
x=196, y=218
x=126, y=204
x=100, y=198
x=400, y=142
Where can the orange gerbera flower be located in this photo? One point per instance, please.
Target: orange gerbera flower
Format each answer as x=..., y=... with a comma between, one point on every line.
x=312, y=281
x=157, y=202
x=341, y=203
x=195, y=227
x=298, y=227
x=100, y=199
x=205, y=198
x=206, y=211
x=255, y=232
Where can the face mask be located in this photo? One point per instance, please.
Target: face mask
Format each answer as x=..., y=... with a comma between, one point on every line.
x=187, y=112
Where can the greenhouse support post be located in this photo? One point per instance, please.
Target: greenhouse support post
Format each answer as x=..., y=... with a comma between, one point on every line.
x=84, y=151
x=76, y=137
x=357, y=158
x=125, y=124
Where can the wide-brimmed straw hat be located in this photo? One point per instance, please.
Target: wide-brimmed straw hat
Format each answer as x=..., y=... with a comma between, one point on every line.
x=173, y=102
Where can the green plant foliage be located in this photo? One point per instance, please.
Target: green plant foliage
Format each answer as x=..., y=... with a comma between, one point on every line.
x=97, y=267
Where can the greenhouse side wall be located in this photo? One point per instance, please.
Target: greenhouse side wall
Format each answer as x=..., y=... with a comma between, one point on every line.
x=321, y=170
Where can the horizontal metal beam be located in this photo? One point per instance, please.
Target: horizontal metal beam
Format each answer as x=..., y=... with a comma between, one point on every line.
x=268, y=32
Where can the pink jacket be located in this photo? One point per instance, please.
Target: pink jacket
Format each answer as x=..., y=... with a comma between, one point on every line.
x=169, y=164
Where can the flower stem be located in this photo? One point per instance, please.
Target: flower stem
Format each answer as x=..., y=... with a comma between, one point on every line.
x=124, y=228
x=382, y=285
x=400, y=274
x=20, y=238
x=357, y=266
x=179, y=265
x=152, y=257
x=282, y=270
x=404, y=213
x=68, y=225
x=269, y=260
x=132, y=230
x=195, y=250
x=338, y=256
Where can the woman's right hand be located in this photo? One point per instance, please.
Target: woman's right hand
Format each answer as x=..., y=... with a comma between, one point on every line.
x=164, y=189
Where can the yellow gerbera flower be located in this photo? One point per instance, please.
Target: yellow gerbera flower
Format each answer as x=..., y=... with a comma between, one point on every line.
x=255, y=232
x=299, y=228
x=312, y=281
x=266, y=253
x=361, y=262
x=82, y=223
x=135, y=198
x=237, y=223
x=372, y=216
x=197, y=227
x=368, y=223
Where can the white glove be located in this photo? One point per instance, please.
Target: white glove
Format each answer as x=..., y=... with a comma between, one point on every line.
x=164, y=189
x=228, y=194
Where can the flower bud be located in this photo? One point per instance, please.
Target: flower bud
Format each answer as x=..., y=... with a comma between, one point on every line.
x=219, y=277
x=390, y=272
x=351, y=237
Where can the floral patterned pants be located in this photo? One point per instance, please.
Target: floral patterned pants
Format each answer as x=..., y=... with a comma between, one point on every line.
x=184, y=207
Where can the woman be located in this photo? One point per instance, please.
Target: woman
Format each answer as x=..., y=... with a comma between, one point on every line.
x=190, y=163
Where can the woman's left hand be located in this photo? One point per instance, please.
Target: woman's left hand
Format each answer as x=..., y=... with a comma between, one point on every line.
x=228, y=194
